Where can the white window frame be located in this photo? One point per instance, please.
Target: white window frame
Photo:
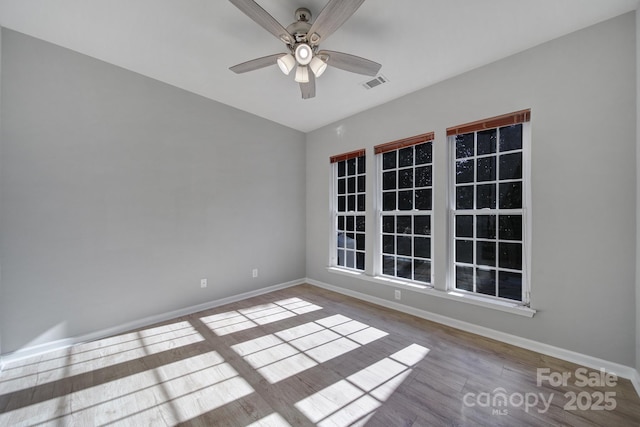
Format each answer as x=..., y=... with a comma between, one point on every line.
x=524, y=211
x=378, y=267
x=333, y=246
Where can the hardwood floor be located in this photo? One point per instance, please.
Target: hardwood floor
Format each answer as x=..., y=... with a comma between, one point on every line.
x=305, y=356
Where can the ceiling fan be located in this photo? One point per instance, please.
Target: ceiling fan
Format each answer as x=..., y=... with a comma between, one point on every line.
x=302, y=39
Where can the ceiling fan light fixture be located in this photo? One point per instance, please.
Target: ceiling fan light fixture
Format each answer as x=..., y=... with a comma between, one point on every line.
x=318, y=66
x=304, y=54
x=286, y=63
x=302, y=74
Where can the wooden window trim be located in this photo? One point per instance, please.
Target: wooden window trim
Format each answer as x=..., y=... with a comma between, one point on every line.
x=402, y=143
x=346, y=156
x=491, y=123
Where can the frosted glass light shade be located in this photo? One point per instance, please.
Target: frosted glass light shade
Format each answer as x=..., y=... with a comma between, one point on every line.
x=302, y=74
x=286, y=63
x=318, y=66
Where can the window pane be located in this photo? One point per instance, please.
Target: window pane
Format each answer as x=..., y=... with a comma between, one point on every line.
x=360, y=238
x=342, y=203
x=405, y=200
x=422, y=247
x=405, y=157
x=388, y=224
x=486, y=281
x=362, y=164
x=360, y=222
x=486, y=253
x=351, y=203
x=464, y=278
x=360, y=260
x=351, y=167
x=510, y=285
x=342, y=168
x=423, y=153
x=422, y=270
x=405, y=178
x=341, y=186
x=486, y=226
x=388, y=265
x=404, y=225
x=422, y=224
x=405, y=269
x=511, y=255
x=464, y=145
x=350, y=242
x=423, y=176
x=389, y=180
x=341, y=238
x=403, y=245
x=464, y=226
x=511, y=195
x=464, y=171
x=423, y=200
x=510, y=227
x=486, y=169
x=487, y=141
x=464, y=251
x=486, y=196
x=389, y=201
x=351, y=185
x=341, y=260
x=350, y=223
x=388, y=244
x=341, y=223
x=361, y=204
x=389, y=160
x=464, y=197
x=361, y=184
x=511, y=166
x=511, y=137
x=350, y=261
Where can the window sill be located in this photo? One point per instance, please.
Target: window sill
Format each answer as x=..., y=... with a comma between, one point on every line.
x=476, y=300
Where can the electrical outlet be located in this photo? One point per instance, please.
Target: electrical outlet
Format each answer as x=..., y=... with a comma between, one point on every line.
x=397, y=294
x=203, y=283
x=254, y=273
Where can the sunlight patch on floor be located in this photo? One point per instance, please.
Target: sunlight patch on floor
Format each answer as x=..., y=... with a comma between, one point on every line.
x=353, y=400
x=99, y=354
x=247, y=318
x=290, y=351
x=171, y=393
x=273, y=420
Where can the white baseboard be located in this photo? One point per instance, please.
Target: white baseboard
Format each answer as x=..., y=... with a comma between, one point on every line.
x=635, y=380
x=561, y=353
x=5, y=359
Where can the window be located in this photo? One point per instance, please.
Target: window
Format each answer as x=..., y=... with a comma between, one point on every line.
x=348, y=212
x=488, y=205
x=404, y=208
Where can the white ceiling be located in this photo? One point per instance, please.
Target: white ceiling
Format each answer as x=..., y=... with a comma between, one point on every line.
x=192, y=43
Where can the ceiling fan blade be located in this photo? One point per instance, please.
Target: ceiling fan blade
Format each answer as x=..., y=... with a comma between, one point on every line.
x=256, y=64
x=350, y=63
x=262, y=17
x=334, y=14
x=308, y=89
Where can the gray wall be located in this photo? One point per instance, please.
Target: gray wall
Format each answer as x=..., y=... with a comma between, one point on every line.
x=118, y=193
x=1, y=294
x=637, y=190
x=581, y=91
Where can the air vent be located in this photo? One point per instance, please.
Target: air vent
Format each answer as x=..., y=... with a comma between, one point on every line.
x=375, y=82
